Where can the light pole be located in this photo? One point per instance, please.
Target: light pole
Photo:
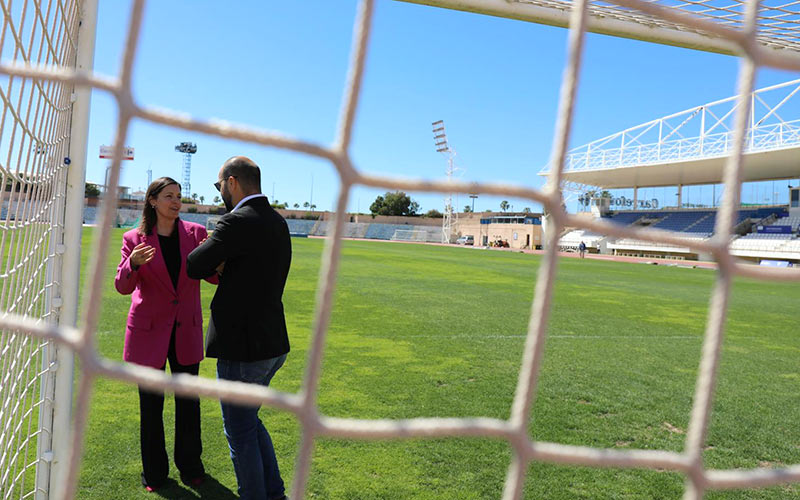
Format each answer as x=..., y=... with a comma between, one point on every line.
x=188, y=149
x=440, y=142
x=473, y=196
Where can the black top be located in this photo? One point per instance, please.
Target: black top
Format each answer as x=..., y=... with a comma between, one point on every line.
x=247, y=320
x=171, y=250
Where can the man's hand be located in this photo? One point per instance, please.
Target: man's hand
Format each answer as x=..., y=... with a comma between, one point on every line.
x=142, y=254
x=220, y=267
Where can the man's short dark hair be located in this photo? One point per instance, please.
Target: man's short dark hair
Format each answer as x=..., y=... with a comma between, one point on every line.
x=246, y=172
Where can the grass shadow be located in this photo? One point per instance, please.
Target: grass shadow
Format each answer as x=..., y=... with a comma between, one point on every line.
x=210, y=489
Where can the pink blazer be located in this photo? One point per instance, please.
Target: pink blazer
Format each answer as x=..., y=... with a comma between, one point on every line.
x=156, y=305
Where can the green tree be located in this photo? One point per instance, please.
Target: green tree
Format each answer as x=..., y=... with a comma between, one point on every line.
x=202, y=199
x=91, y=190
x=396, y=203
x=434, y=214
x=504, y=205
x=305, y=205
x=194, y=197
x=467, y=209
x=296, y=205
x=217, y=200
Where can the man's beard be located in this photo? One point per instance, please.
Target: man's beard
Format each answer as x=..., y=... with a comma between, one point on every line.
x=228, y=202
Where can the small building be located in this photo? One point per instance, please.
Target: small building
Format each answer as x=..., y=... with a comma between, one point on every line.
x=521, y=230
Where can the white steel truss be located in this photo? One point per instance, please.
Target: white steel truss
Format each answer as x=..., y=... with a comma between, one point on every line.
x=698, y=133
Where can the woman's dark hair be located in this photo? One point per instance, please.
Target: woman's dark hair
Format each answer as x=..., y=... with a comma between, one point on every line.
x=149, y=216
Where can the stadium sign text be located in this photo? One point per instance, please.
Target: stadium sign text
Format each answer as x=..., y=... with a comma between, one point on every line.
x=108, y=152
x=628, y=203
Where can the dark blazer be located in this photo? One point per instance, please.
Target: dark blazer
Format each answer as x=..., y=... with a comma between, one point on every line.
x=247, y=321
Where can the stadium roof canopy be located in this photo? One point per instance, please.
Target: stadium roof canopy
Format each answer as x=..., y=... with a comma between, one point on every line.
x=769, y=165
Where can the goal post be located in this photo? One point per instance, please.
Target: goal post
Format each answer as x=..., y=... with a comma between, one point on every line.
x=43, y=152
x=71, y=258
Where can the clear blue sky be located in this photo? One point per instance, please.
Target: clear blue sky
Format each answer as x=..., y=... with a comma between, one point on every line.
x=282, y=66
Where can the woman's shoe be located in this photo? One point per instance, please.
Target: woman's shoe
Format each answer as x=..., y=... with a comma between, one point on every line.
x=150, y=487
x=193, y=481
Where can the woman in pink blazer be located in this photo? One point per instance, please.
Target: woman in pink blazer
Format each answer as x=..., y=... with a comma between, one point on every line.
x=165, y=323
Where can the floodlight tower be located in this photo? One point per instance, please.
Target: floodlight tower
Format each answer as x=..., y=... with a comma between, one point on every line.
x=440, y=141
x=188, y=149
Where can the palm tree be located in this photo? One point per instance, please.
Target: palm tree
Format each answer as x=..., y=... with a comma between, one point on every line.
x=296, y=205
x=202, y=199
x=305, y=205
x=504, y=205
x=216, y=200
x=194, y=197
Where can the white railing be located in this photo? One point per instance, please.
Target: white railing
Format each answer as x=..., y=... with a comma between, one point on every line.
x=697, y=133
x=764, y=138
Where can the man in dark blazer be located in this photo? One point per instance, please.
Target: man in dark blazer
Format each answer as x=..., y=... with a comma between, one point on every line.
x=251, y=250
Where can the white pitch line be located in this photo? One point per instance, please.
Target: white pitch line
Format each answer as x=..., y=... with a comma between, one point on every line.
x=522, y=336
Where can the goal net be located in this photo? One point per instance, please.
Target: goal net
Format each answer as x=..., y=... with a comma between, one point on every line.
x=422, y=235
x=35, y=148
x=38, y=73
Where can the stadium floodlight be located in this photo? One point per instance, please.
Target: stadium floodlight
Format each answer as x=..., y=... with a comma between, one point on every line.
x=440, y=137
x=188, y=149
x=473, y=196
x=440, y=142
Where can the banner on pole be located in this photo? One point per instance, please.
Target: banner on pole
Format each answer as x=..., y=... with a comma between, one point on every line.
x=108, y=152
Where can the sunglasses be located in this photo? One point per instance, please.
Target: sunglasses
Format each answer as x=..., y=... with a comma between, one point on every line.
x=218, y=184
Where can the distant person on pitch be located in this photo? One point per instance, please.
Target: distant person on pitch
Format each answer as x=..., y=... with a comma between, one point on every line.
x=251, y=250
x=582, y=249
x=165, y=323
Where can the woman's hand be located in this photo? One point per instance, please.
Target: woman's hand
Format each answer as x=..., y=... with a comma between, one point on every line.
x=142, y=254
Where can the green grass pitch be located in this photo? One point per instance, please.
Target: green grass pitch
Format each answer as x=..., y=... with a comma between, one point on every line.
x=426, y=331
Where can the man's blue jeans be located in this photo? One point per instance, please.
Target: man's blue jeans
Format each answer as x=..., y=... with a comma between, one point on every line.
x=251, y=447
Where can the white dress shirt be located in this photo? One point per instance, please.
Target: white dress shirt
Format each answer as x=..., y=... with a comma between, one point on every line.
x=257, y=195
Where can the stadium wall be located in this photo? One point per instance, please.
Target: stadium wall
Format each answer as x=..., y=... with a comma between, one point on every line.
x=395, y=219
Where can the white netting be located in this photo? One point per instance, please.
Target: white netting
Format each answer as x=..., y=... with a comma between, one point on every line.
x=715, y=25
x=34, y=140
x=422, y=235
x=515, y=430
x=778, y=21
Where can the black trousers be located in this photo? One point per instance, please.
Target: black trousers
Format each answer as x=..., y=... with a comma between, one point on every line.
x=188, y=445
